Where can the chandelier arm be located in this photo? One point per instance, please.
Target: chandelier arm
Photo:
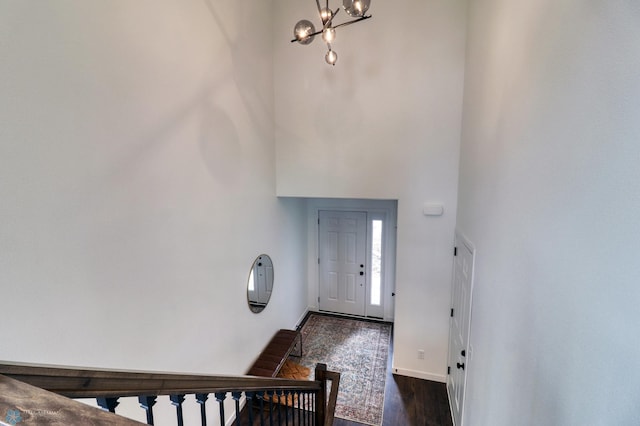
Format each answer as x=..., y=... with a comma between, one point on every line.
x=344, y=24
x=362, y=18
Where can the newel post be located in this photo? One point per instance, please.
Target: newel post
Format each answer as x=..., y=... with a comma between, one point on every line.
x=321, y=401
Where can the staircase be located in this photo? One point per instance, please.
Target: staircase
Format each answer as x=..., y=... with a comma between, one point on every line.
x=35, y=395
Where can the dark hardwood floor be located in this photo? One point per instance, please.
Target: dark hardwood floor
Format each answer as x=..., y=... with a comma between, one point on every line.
x=415, y=402
x=411, y=402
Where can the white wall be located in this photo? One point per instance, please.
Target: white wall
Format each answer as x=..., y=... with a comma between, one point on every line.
x=549, y=195
x=137, y=185
x=382, y=124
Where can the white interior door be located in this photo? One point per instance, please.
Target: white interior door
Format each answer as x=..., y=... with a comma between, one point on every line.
x=264, y=281
x=342, y=258
x=459, y=327
x=260, y=281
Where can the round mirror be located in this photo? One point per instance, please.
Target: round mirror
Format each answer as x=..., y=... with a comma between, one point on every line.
x=260, y=283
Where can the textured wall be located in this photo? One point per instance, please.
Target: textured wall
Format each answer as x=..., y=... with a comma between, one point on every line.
x=550, y=194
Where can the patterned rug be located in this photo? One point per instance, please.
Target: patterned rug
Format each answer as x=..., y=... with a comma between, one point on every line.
x=356, y=349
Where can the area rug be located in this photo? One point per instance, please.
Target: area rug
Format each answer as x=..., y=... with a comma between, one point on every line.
x=358, y=350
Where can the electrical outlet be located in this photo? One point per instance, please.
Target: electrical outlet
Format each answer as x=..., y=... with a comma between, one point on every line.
x=421, y=354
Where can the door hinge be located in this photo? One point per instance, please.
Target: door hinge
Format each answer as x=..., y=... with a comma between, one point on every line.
x=318, y=261
x=455, y=251
x=448, y=370
x=451, y=312
x=318, y=221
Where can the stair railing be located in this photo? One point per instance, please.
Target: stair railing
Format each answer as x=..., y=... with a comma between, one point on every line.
x=29, y=393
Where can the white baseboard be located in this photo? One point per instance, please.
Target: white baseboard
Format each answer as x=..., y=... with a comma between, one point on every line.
x=420, y=375
x=304, y=314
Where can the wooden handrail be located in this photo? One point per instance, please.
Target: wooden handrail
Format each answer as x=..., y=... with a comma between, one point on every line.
x=85, y=383
x=33, y=391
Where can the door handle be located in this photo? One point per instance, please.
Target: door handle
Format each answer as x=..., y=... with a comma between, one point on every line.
x=463, y=353
x=361, y=273
x=460, y=366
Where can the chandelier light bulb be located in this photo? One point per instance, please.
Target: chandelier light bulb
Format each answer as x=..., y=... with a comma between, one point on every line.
x=331, y=57
x=329, y=34
x=303, y=30
x=326, y=15
x=356, y=8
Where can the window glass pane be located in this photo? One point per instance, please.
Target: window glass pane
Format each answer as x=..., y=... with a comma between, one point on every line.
x=376, y=261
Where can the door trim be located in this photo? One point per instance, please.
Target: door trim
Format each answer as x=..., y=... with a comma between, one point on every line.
x=461, y=237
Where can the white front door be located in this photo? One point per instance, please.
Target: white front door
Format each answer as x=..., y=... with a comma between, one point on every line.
x=342, y=257
x=458, y=363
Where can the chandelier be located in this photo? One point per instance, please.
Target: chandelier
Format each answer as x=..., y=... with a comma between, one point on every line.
x=304, y=31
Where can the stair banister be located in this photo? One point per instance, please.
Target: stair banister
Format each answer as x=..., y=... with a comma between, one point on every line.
x=108, y=385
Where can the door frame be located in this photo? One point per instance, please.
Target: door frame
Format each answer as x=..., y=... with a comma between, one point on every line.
x=374, y=209
x=460, y=238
